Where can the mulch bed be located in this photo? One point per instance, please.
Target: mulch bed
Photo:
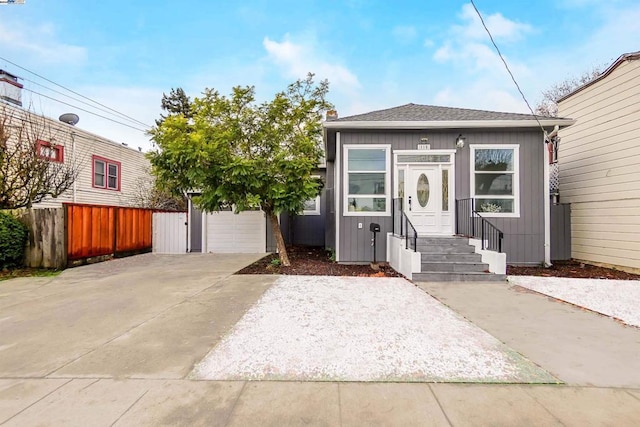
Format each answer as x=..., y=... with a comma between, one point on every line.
x=314, y=261
x=572, y=269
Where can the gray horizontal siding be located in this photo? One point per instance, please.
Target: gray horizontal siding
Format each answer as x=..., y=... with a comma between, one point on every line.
x=524, y=236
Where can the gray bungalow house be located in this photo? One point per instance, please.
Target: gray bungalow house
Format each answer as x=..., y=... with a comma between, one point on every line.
x=425, y=174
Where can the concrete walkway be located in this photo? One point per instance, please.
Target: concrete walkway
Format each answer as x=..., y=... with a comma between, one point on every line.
x=112, y=343
x=577, y=346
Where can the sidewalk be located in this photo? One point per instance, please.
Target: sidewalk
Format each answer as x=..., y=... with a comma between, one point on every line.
x=106, y=402
x=112, y=344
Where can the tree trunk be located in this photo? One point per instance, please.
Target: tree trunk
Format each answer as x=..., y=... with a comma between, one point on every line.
x=277, y=233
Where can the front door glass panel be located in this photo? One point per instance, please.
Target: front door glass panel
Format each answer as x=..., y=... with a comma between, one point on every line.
x=422, y=190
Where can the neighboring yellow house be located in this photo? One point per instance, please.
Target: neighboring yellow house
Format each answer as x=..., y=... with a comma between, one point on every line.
x=110, y=173
x=599, y=158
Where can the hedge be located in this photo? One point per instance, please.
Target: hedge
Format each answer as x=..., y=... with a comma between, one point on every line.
x=13, y=238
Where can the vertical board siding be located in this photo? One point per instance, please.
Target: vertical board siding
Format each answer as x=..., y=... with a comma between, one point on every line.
x=599, y=158
x=45, y=247
x=106, y=230
x=195, y=228
x=524, y=236
x=170, y=232
x=306, y=230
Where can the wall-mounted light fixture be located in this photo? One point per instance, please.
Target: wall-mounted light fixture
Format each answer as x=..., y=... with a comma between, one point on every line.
x=460, y=140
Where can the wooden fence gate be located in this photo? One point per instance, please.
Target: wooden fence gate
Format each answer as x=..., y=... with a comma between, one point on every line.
x=103, y=231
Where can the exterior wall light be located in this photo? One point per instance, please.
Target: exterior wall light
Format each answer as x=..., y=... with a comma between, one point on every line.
x=460, y=140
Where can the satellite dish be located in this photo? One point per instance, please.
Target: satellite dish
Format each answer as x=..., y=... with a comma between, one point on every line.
x=69, y=118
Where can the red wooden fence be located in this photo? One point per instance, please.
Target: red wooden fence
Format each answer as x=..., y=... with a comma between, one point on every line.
x=94, y=230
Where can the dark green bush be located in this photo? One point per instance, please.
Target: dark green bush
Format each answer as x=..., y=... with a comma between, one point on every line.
x=13, y=238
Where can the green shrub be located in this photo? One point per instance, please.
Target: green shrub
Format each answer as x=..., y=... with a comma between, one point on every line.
x=13, y=238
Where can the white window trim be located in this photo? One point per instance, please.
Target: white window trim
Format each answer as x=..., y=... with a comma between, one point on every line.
x=516, y=179
x=315, y=211
x=387, y=177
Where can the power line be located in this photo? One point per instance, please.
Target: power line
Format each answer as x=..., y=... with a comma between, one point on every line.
x=74, y=92
x=83, y=102
x=87, y=111
x=507, y=66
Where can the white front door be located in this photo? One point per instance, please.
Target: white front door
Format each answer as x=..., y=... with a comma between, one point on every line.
x=427, y=199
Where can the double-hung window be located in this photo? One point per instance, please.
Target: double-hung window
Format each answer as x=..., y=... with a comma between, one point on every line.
x=367, y=180
x=106, y=173
x=49, y=151
x=495, y=180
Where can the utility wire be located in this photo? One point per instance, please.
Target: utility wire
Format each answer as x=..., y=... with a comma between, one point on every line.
x=74, y=92
x=507, y=67
x=83, y=102
x=87, y=111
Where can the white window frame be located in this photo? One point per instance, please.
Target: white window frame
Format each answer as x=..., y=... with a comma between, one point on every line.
x=515, y=183
x=387, y=180
x=315, y=211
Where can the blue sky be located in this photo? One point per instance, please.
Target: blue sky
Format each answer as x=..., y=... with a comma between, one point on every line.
x=376, y=54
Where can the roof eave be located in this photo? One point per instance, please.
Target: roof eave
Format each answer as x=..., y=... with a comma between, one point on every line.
x=448, y=124
x=624, y=57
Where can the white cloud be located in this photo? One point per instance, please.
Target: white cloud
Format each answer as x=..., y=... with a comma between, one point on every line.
x=298, y=59
x=501, y=28
x=404, y=33
x=39, y=42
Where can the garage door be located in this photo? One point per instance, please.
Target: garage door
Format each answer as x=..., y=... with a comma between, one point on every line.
x=235, y=233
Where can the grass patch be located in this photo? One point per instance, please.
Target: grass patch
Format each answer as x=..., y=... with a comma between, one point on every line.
x=28, y=272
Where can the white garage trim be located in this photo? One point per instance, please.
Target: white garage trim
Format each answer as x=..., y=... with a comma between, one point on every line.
x=227, y=232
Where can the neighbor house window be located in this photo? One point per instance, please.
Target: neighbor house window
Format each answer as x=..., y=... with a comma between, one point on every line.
x=312, y=206
x=50, y=151
x=367, y=180
x=495, y=179
x=106, y=173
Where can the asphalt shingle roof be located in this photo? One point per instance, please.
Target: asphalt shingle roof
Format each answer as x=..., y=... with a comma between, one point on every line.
x=417, y=112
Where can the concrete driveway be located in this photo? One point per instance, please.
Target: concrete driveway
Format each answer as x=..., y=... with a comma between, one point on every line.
x=111, y=344
x=119, y=319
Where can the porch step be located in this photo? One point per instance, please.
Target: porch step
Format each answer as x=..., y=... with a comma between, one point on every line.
x=445, y=249
x=451, y=259
x=455, y=267
x=443, y=276
x=447, y=257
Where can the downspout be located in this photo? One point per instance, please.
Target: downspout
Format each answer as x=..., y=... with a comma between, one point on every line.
x=73, y=163
x=547, y=197
x=337, y=191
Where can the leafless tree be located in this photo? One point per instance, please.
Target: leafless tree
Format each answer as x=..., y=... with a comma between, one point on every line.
x=548, y=106
x=28, y=174
x=147, y=194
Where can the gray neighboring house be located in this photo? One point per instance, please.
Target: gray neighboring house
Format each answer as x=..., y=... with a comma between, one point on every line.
x=425, y=159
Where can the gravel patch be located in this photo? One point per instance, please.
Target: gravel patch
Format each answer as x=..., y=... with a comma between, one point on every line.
x=616, y=298
x=319, y=328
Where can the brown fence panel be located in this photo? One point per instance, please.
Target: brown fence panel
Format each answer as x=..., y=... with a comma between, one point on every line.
x=94, y=231
x=90, y=231
x=133, y=231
